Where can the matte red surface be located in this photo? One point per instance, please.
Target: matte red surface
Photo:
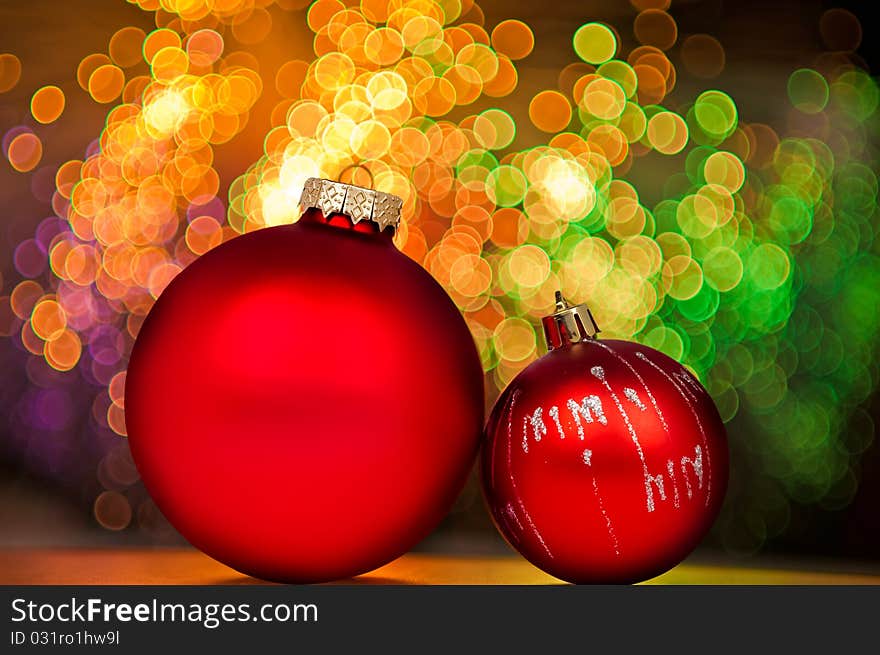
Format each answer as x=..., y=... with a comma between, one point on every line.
x=304, y=402
x=599, y=518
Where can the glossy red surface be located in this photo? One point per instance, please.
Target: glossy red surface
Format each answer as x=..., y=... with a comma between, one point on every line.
x=304, y=402
x=605, y=462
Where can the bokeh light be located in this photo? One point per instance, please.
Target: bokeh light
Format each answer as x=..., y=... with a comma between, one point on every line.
x=513, y=38
x=24, y=151
x=595, y=43
x=10, y=71
x=703, y=56
x=47, y=104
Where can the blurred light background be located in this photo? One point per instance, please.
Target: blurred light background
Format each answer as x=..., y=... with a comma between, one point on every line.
x=703, y=173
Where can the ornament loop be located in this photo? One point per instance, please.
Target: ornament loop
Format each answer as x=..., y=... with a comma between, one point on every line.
x=568, y=324
x=352, y=167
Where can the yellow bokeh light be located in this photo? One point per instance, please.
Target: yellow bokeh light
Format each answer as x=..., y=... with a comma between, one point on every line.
x=604, y=99
x=595, y=43
x=667, y=132
x=514, y=339
x=166, y=112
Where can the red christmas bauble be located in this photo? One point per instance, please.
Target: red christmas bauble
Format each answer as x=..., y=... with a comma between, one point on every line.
x=605, y=461
x=304, y=402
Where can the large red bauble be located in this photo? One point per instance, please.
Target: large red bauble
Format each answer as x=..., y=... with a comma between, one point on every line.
x=605, y=462
x=304, y=402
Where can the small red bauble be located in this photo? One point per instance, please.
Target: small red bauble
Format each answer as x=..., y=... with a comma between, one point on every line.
x=605, y=461
x=304, y=402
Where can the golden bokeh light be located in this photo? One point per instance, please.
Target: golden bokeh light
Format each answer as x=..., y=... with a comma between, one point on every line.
x=550, y=111
x=106, y=83
x=667, y=132
x=47, y=104
x=25, y=152
x=513, y=38
x=126, y=47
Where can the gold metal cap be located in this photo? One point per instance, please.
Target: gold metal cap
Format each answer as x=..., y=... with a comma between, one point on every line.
x=568, y=324
x=358, y=203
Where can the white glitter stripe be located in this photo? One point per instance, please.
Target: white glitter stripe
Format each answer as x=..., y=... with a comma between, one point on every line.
x=641, y=381
x=671, y=468
x=599, y=373
x=588, y=454
x=657, y=480
x=512, y=513
x=645, y=358
x=537, y=421
x=554, y=414
x=589, y=405
x=513, y=481
x=684, y=382
x=633, y=396
x=505, y=518
x=539, y=429
x=697, y=466
x=510, y=407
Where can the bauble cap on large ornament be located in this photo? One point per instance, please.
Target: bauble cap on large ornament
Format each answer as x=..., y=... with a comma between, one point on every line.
x=355, y=202
x=568, y=324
